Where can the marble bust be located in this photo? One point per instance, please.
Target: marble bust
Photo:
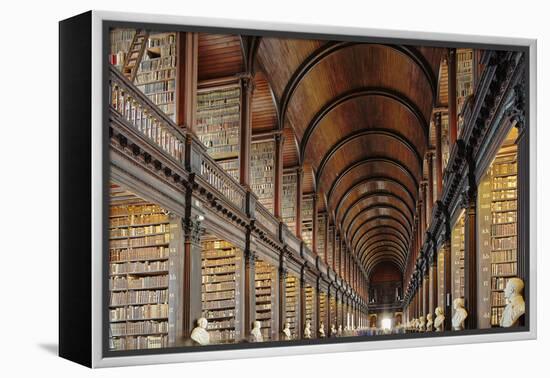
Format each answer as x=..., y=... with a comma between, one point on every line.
x=429, y=322
x=333, y=330
x=460, y=314
x=287, y=335
x=439, y=319
x=199, y=333
x=322, y=330
x=515, y=305
x=307, y=330
x=422, y=324
x=256, y=333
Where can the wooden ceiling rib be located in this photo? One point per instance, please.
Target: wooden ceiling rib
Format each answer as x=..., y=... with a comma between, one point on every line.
x=360, y=114
x=219, y=56
x=264, y=113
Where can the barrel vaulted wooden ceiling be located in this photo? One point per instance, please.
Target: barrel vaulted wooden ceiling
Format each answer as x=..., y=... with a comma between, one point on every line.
x=356, y=116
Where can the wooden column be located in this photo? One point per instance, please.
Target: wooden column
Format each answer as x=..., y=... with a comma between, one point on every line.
x=314, y=199
x=247, y=88
x=451, y=61
x=186, y=83
x=470, y=260
x=299, y=182
x=318, y=319
x=523, y=213
x=430, y=201
x=330, y=320
x=278, y=195
x=282, y=297
x=334, y=248
x=433, y=284
x=438, y=155
x=325, y=238
x=192, y=275
x=249, y=294
x=425, y=294
x=422, y=213
x=302, y=322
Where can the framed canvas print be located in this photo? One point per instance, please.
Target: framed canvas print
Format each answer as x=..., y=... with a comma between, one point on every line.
x=238, y=189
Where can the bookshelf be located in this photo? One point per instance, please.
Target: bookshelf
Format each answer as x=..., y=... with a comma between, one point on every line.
x=156, y=74
x=289, y=201
x=265, y=280
x=464, y=76
x=139, y=254
x=337, y=253
x=292, y=294
x=307, y=221
x=321, y=236
x=310, y=305
x=218, y=123
x=498, y=233
x=221, y=272
x=329, y=245
x=120, y=40
x=332, y=309
x=323, y=307
x=441, y=279
x=457, y=257
x=262, y=180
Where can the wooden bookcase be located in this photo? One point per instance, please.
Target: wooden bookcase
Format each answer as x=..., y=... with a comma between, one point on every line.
x=139, y=261
x=333, y=320
x=310, y=305
x=289, y=200
x=120, y=40
x=265, y=281
x=457, y=257
x=156, y=74
x=441, y=279
x=497, y=228
x=307, y=221
x=323, y=307
x=218, y=124
x=221, y=272
x=292, y=297
x=321, y=236
x=329, y=246
x=262, y=179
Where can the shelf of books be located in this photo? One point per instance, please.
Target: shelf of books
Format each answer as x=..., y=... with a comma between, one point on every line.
x=262, y=178
x=329, y=246
x=464, y=80
x=139, y=253
x=323, y=309
x=307, y=220
x=289, y=200
x=337, y=253
x=310, y=304
x=339, y=307
x=321, y=236
x=332, y=309
x=120, y=39
x=292, y=297
x=218, y=123
x=457, y=257
x=156, y=74
x=441, y=278
x=497, y=196
x=265, y=281
x=221, y=273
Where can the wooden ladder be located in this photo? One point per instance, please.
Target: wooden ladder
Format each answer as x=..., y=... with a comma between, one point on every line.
x=135, y=53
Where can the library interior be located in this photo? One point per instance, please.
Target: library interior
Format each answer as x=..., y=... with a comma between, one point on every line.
x=267, y=189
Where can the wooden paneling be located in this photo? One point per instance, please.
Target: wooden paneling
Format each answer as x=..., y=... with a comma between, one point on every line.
x=219, y=56
x=264, y=113
x=290, y=148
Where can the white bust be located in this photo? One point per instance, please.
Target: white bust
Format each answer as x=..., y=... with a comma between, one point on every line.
x=429, y=322
x=256, y=333
x=439, y=319
x=515, y=305
x=339, y=333
x=422, y=323
x=307, y=330
x=333, y=330
x=287, y=335
x=460, y=314
x=199, y=333
x=322, y=330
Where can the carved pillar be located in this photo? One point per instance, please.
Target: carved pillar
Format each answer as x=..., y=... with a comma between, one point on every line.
x=249, y=291
x=438, y=155
x=186, y=83
x=470, y=258
x=299, y=182
x=192, y=274
x=430, y=201
x=278, y=197
x=433, y=283
x=451, y=61
x=314, y=199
